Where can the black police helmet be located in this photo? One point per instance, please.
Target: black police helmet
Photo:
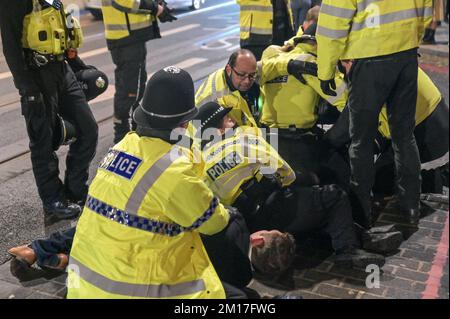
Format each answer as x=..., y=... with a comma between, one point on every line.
x=210, y=115
x=169, y=100
x=93, y=82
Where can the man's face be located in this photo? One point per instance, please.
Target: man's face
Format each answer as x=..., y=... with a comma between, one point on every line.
x=243, y=74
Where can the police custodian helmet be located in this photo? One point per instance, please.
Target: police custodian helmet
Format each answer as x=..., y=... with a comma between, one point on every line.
x=169, y=100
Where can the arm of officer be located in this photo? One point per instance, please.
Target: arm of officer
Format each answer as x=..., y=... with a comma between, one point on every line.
x=340, y=100
x=12, y=14
x=192, y=204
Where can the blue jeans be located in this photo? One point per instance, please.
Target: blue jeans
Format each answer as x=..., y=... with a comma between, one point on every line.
x=299, y=10
x=47, y=249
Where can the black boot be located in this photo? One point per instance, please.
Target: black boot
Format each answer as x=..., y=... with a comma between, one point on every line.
x=358, y=258
x=60, y=210
x=381, y=240
x=428, y=38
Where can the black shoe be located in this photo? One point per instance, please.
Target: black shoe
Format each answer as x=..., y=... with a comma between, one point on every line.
x=62, y=210
x=288, y=295
x=382, y=240
x=358, y=258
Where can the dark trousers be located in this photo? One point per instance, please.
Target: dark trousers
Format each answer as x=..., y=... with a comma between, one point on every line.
x=373, y=82
x=307, y=209
x=62, y=94
x=131, y=77
x=47, y=249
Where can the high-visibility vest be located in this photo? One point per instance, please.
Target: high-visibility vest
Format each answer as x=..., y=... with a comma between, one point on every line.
x=138, y=236
x=231, y=162
x=256, y=21
x=287, y=101
x=428, y=98
x=215, y=88
x=354, y=29
x=124, y=21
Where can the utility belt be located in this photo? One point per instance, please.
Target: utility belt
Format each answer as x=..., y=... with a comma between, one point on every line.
x=38, y=60
x=311, y=134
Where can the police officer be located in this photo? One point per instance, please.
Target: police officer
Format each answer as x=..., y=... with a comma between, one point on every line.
x=382, y=38
x=244, y=171
x=291, y=101
x=129, y=24
x=35, y=36
x=264, y=22
x=139, y=234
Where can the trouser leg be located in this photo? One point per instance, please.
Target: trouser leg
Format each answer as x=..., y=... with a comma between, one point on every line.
x=301, y=154
x=401, y=109
x=76, y=110
x=130, y=79
x=232, y=292
x=47, y=250
x=40, y=132
x=374, y=80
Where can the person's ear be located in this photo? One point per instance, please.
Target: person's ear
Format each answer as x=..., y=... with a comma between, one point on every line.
x=257, y=242
x=228, y=70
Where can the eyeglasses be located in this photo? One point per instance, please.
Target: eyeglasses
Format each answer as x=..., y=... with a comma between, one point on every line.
x=243, y=76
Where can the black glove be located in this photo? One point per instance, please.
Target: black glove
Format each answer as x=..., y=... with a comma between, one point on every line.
x=33, y=103
x=57, y=4
x=328, y=87
x=297, y=68
x=166, y=15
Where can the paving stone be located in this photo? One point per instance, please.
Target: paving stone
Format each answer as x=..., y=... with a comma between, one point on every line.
x=395, y=282
x=431, y=225
x=50, y=287
x=402, y=294
x=427, y=255
x=11, y=291
x=371, y=296
x=336, y=292
x=39, y=295
x=361, y=286
x=404, y=263
x=318, y=276
x=425, y=267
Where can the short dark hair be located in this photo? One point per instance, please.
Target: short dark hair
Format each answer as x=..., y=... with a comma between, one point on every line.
x=233, y=57
x=275, y=256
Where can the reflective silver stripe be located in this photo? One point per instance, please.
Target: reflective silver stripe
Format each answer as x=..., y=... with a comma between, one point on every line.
x=340, y=90
x=150, y=177
x=428, y=12
x=361, y=6
x=116, y=27
x=201, y=90
x=375, y=21
x=223, y=188
x=141, y=25
x=257, y=8
x=337, y=12
x=263, y=31
x=330, y=33
x=136, y=290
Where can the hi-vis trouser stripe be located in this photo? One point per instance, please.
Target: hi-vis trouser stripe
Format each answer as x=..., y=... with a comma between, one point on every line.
x=135, y=290
x=370, y=22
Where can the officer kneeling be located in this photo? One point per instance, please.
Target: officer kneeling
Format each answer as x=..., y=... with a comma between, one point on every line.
x=139, y=233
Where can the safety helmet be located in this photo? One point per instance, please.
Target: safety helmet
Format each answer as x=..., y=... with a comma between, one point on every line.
x=93, y=82
x=64, y=133
x=169, y=100
x=210, y=115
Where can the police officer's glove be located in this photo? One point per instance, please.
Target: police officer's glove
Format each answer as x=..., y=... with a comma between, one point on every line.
x=298, y=68
x=57, y=4
x=33, y=104
x=328, y=87
x=166, y=15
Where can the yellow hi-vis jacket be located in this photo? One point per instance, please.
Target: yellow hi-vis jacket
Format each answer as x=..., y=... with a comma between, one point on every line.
x=231, y=162
x=428, y=98
x=256, y=21
x=138, y=236
x=287, y=101
x=215, y=88
x=355, y=29
x=126, y=23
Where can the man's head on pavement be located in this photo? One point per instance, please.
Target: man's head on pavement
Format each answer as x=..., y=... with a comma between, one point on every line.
x=169, y=100
x=242, y=70
x=272, y=251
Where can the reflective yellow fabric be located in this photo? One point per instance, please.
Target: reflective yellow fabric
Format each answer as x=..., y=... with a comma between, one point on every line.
x=113, y=260
x=428, y=97
x=215, y=88
x=236, y=159
x=352, y=29
x=119, y=23
x=256, y=17
x=288, y=101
